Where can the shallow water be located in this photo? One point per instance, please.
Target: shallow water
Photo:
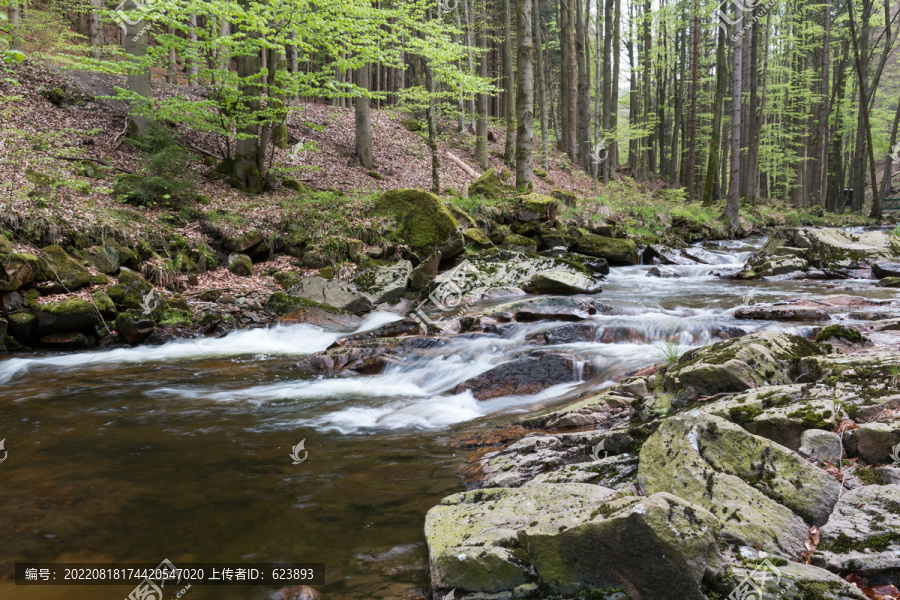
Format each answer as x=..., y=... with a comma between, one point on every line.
x=182, y=451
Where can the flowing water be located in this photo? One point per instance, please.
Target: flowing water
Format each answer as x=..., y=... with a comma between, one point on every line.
x=181, y=451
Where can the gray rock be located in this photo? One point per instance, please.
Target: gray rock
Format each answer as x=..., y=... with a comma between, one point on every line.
x=863, y=532
x=761, y=492
x=522, y=376
x=17, y=270
x=883, y=268
x=781, y=313
x=240, y=264
x=425, y=273
x=569, y=537
x=562, y=282
x=890, y=474
x=822, y=444
x=331, y=293
x=10, y=301
x=791, y=581
x=665, y=272
x=104, y=258
x=384, y=284
x=876, y=441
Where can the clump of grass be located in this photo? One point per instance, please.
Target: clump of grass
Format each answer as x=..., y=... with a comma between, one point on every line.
x=668, y=353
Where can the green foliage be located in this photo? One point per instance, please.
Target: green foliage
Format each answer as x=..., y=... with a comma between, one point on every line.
x=328, y=219
x=164, y=178
x=668, y=352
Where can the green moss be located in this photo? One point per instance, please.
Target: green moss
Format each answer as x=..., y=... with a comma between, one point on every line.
x=285, y=304
x=411, y=124
x=811, y=419
x=869, y=476
x=839, y=331
x=490, y=186
x=819, y=590
x=423, y=221
x=743, y=414
x=879, y=543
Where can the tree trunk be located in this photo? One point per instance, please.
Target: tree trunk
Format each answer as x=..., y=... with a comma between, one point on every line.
x=571, y=67
x=524, y=99
x=692, y=113
x=95, y=32
x=583, y=116
x=138, y=78
x=864, y=105
x=713, y=160
x=172, y=62
x=509, y=87
x=734, y=185
x=15, y=22
x=245, y=170
x=481, y=125
x=608, y=83
x=363, y=123
x=193, y=66
x=541, y=85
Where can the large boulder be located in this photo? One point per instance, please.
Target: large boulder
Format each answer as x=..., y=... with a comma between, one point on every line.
x=566, y=538
x=57, y=265
x=17, y=269
x=65, y=316
x=489, y=186
x=786, y=581
x=761, y=492
x=615, y=251
x=742, y=363
x=885, y=268
x=536, y=207
x=131, y=291
x=423, y=222
x=104, y=258
x=384, y=284
x=863, y=533
x=522, y=376
x=333, y=294
x=876, y=441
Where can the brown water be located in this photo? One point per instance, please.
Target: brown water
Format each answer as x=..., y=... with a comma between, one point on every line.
x=182, y=451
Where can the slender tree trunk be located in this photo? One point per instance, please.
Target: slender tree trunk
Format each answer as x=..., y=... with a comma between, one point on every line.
x=608, y=83
x=509, y=87
x=193, y=63
x=15, y=22
x=95, y=33
x=541, y=85
x=470, y=43
x=889, y=162
x=248, y=150
x=172, y=63
x=709, y=196
x=583, y=116
x=524, y=98
x=571, y=81
x=138, y=78
x=613, y=160
x=864, y=105
x=481, y=126
x=734, y=185
x=648, y=109
x=363, y=122
x=692, y=117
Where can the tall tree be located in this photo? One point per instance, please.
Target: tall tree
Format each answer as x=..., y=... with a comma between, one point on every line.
x=363, y=121
x=734, y=184
x=524, y=98
x=509, y=87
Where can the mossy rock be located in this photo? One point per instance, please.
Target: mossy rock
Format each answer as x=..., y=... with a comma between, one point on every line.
x=489, y=186
x=540, y=173
x=565, y=197
x=22, y=326
x=72, y=314
x=477, y=238
x=411, y=124
x=889, y=282
x=288, y=279
x=840, y=332
x=499, y=233
x=104, y=303
x=615, y=251
x=519, y=243
x=57, y=265
x=283, y=304
x=5, y=245
x=375, y=175
x=104, y=258
x=18, y=269
x=130, y=290
x=505, y=174
x=100, y=279
x=537, y=207
x=240, y=264
x=423, y=222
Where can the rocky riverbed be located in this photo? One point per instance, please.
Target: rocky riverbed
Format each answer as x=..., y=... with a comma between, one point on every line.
x=639, y=421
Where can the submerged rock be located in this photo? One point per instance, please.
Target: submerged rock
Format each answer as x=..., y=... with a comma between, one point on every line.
x=522, y=376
